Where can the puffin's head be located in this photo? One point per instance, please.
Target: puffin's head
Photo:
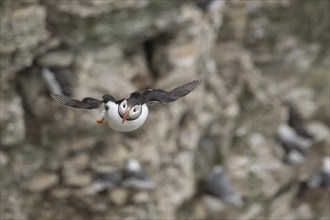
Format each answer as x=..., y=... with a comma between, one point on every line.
x=129, y=109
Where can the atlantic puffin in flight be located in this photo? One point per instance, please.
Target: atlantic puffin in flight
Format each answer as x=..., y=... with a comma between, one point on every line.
x=128, y=114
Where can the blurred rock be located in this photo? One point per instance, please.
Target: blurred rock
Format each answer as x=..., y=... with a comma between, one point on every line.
x=280, y=204
x=308, y=199
x=59, y=58
x=61, y=193
x=303, y=101
x=118, y=196
x=253, y=211
x=77, y=179
x=319, y=131
x=115, y=155
x=76, y=163
x=93, y=26
x=11, y=205
x=141, y=197
x=235, y=22
x=42, y=182
x=73, y=171
x=260, y=54
x=12, y=128
x=3, y=159
x=103, y=63
x=301, y=59
x=214, y=205
x=23, y=40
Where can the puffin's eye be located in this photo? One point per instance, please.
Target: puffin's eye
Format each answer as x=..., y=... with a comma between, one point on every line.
x=123, y=104
x=135, y=112
x=122, y=107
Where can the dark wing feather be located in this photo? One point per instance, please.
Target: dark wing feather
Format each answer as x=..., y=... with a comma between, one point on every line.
x=86, y=103
x=106, y=98
x=161, y=96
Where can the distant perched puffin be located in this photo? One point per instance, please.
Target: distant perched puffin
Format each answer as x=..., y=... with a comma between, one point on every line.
x=128, y=114
x=293, y=135
x=134, y=177
x=218, y=185
x=321, y=178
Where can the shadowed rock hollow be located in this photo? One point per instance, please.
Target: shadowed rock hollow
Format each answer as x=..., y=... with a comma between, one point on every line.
x=251, y=57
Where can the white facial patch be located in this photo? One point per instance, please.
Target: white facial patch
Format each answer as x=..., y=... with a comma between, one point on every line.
x=115, y=120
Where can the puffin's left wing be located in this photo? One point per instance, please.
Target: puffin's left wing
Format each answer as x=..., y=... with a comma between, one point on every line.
x=160, y=96
x=86, y=103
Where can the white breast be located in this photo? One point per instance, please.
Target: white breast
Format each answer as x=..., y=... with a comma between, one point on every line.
x=289, y=135
x=115, y=121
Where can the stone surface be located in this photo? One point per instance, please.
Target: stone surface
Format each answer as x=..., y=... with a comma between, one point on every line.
x=250, y=55
x=118, y=196
x=12, y=128
x=42, y=182
x=78, y=162
x=77, y=23
x=60, y=58
x=77, y=179
x=23, y=33
x=141, y=197
x=3, y=159
x=320, y=132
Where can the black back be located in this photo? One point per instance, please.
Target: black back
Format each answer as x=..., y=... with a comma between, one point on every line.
x=161, y=96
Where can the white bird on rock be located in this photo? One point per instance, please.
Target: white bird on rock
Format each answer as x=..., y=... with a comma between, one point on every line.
x=322, y=177
x=293, y=131
x=293, y=135
x=135, y=177
x=128, y=114
x=218, y=185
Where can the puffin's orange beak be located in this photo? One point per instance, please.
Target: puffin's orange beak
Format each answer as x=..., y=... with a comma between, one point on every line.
x=125, y=115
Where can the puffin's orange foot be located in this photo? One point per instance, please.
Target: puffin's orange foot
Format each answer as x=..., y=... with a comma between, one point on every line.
x=100, y=121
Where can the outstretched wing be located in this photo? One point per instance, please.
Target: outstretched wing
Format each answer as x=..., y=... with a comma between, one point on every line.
x=161, y=96
x=86, y=103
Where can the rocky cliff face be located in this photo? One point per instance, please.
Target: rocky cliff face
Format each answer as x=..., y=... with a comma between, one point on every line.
x=251, y=57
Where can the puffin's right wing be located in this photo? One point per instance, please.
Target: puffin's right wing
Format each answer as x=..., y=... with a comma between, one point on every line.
x=161, y=96
x=86, y=103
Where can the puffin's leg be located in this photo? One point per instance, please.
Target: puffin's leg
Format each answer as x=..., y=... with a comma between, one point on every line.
x=101, y=120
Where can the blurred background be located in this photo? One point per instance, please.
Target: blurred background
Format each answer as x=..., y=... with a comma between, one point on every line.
x=252, y=142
